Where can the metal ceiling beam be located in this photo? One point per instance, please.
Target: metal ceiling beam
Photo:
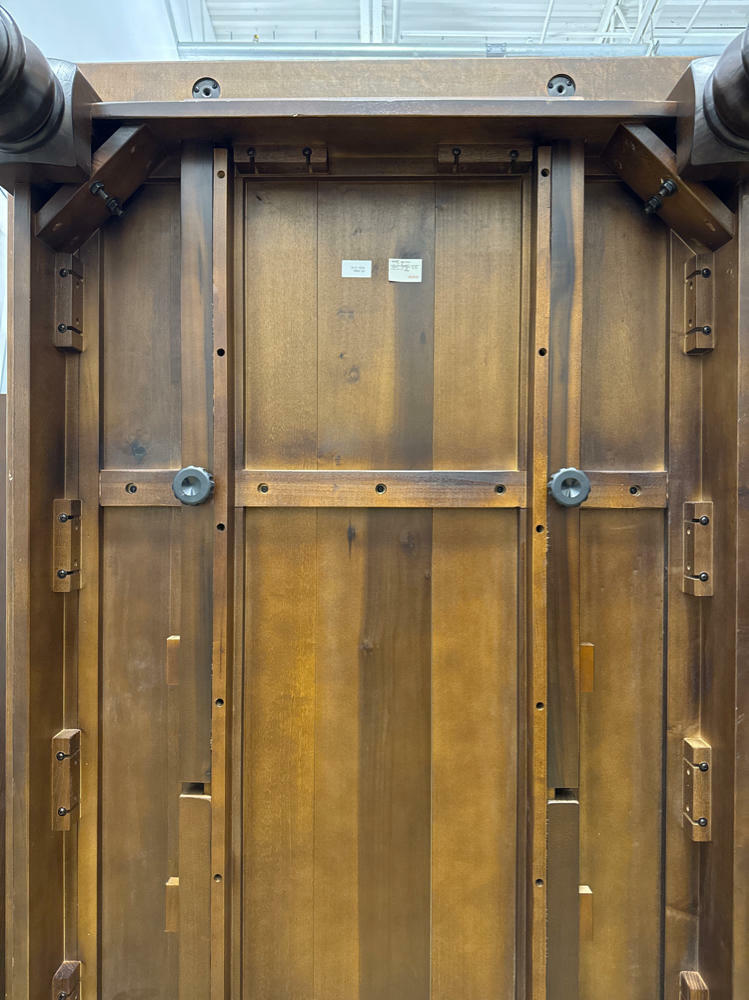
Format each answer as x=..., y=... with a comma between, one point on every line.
x=649, y=10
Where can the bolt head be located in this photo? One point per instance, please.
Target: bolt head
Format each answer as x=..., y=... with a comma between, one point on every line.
x=704, y=766
x=704, y=519
x=706, y=272
x=60, y=755
x=702, y=821
x=704, y=577
x=62, y=811
x=61, y=573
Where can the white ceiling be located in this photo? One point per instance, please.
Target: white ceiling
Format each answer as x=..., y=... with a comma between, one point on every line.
x=496, y=27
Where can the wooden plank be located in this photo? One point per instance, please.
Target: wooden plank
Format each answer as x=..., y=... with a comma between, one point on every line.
x=194, y=897
x=281, y=326
x=723, y=910
x=222, y=598
x=693, y=987
x=278, y=754
x=586, y=913
x=621, y=784
x=565, y=356
x=536, y=594
x=35, y=615
x=121, y=164
x=88, y=637
x=587, y=667
x=563, y=894
x=171, y=667
x=375, y=336
x=354, y=488
x=474, y=754
x=643, y=161
x=135, y=850
x=625, y=324
x=477, y=325
x=171, y=905
x=197, y=437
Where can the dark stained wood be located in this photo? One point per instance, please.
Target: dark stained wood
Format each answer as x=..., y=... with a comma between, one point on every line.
x=565, y=357
x=122, y=163
x=563, y=894
x=643, y=161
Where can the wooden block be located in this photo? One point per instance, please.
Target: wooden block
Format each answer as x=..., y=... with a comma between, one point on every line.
x=281, y=159
x=585, y=895
x=693, y=987
x=66, y=982
x=467, y=158
x=562, y=893
x=171, y=905
x=172, y=660
x=697, y=788
x=643, y=161
x=66, y=763
x=195, y=897
x=587, y=667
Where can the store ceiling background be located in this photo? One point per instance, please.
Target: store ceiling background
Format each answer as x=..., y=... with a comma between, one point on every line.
x=89, y=30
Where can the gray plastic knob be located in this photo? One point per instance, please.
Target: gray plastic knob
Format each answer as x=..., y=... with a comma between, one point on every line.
x=193, y=485
x=569, y=487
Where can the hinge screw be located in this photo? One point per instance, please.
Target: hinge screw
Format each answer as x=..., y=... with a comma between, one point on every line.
x=702, y=821
x=704, y=577
x=704, y=766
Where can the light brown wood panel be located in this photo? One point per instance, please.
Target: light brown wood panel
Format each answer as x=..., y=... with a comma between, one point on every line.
x=474, y=754
x=621, y=746
x=625, y=312
x=134, y=734
x=375, y=360
x=280, y=302
x=477, y=335
x=194, y=916
x=278, y=754
x=141, y=333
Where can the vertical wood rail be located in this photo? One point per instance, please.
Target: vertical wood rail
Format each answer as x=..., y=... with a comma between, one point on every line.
x=565, y=362
x=223, y=575
x=536, y=579
x=196, y=540
x=88, y=623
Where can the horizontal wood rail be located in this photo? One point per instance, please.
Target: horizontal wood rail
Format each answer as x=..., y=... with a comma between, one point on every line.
x=379, y=488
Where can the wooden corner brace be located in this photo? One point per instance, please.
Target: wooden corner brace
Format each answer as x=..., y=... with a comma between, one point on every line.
x=66, y=982
x=120, y=166
x=644, y=162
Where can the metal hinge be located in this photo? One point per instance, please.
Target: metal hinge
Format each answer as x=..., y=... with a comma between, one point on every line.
x=693, y=987
x=465, y=158
x=66, y=777
x=698, y=548
x=699, y=335
x=697, y=788
x=66, y=982
x=66, y=545
x=68, y=331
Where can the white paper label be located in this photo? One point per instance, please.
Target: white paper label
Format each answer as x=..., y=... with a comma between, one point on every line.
x=403, y=269
x=356, y=268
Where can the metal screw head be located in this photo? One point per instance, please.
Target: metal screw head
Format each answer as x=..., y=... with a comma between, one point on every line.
x=62, y=811
x=704, y=577
x=62, y=517
x=61, y=573
x=707, y=330
x=704, y=519
x=705, y=272
x=702, y=821
x=61, y=328
x=206, y=88
x=131, y=488
x=60, y=755
x=704, y=766
x=561, y=85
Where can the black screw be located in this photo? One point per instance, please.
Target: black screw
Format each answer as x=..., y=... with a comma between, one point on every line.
x=634, y=490
x=667, y=188
x=380, y=488
x=702, y=821
x=60, y=755
x=61, y=328
x=131, y=488
x=62, y=573
x=704, y=766
x=263, y=487
x=62, y=811
x=63, y=518
x=704, y=577
x=704, y=519
x=499, y=489
x=701, y=272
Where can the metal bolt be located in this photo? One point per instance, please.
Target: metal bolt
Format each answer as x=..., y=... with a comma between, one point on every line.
x=667, y=188
x=62, y=517
x=702, y=821
x=704, y=766
x=701, y=272
x=704, y=519
x=60, y=755
x=62, y=811
x=704, y=577
x=131, y=488
x=62, y=573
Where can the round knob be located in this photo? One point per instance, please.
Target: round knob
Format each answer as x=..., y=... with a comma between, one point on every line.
x=569, y=487
x=193, y=485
